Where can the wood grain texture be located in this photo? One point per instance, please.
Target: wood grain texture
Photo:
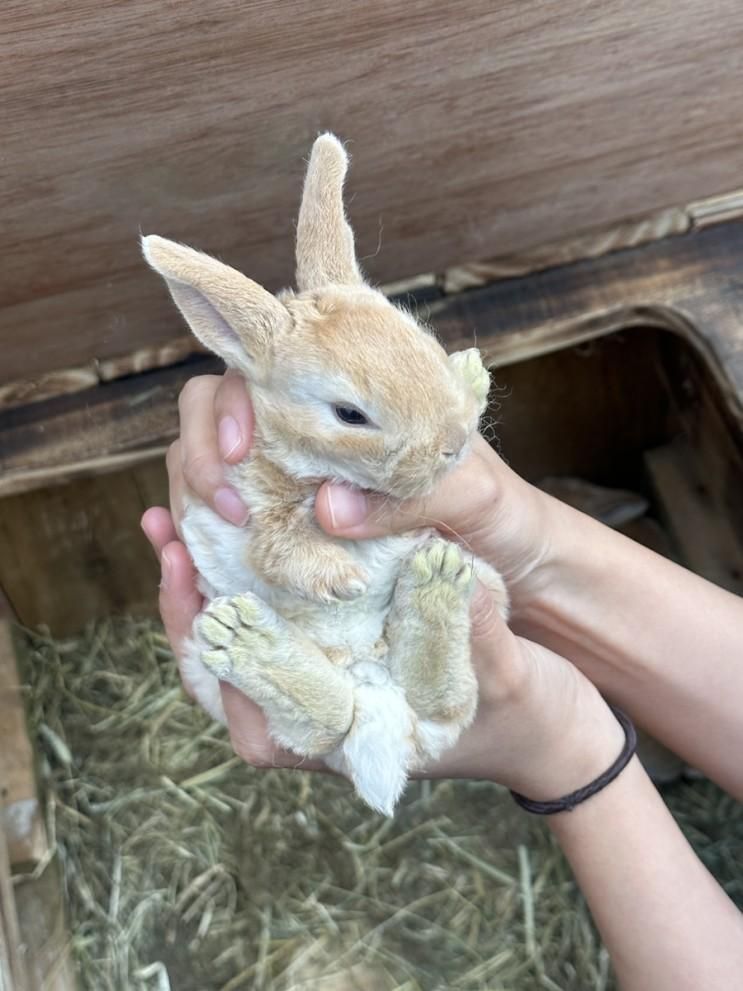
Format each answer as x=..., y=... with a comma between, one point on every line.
x=13, y=975
x=689, y=284
x=707, y=539
x=40, y=904
x=21, y=827
x=477, y=129
x=110, y=427
x=76, y=551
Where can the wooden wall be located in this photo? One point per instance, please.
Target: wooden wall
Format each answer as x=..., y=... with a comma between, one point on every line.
x=477, y=128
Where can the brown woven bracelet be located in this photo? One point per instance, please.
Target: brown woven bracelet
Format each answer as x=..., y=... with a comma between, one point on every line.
x=568, y=803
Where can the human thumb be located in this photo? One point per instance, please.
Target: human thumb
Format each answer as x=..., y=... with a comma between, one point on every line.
x=345, y=511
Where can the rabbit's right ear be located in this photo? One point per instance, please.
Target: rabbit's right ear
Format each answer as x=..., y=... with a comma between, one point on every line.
x=230, y=314
x=325, y=248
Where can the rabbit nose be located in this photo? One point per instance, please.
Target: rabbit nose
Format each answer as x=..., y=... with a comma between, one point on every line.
x=454, y=441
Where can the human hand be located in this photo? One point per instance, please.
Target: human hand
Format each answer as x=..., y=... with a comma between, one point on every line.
x=216, y=429
x=541, y=728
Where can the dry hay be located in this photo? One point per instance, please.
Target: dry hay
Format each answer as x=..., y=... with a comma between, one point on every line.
x=185, y=869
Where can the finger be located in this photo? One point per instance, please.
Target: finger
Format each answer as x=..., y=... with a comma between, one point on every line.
x=176, y=483
x=349, y=512
x=180, y=600
x=234, y=417
x=250, y=737
x=159, y=528
x=343, y=510
x=203, y=467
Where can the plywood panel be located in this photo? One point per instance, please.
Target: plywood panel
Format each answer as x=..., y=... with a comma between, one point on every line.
x=477, y=128
x=76, y=551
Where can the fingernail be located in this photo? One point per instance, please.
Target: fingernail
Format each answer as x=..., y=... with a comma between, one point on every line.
x=166, y=566
x=347, y=507
x=230, y=436
x=230, y=505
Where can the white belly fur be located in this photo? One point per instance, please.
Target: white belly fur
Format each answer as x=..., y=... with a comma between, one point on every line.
x=219, y=552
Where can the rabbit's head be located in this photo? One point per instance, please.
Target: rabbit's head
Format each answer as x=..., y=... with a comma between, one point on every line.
x=345, y=384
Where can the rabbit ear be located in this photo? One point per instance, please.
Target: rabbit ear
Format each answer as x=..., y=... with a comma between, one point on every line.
x=230, y=314
x=325, y=251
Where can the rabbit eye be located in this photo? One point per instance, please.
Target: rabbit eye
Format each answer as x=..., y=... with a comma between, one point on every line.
x=350, y=415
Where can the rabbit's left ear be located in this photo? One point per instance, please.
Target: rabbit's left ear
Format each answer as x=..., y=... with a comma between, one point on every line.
x=325, y=248
x=229, y=313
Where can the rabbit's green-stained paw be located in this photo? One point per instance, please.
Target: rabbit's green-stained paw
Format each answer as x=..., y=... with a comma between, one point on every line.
x=469, y=365
x=439, y=576
x=428, y=633
x=231, y=628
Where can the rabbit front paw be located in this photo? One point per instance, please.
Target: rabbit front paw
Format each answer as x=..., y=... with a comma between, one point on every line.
x=469, y=365
x=333, y=577
x=319, y=571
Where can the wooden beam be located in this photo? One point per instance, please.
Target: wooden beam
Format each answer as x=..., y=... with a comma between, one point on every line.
x=113, y=426
x=690, y=285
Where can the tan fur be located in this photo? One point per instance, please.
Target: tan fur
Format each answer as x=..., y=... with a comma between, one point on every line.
x=288, y=548
x=325, y=248
x=430, y=657
x=358, y=651
x=293, y=677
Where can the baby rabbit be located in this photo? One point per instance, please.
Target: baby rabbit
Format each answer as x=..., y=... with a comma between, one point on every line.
x=357, y=651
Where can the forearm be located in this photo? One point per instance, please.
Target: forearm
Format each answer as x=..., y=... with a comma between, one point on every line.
x=653, y=637
x=663, y=918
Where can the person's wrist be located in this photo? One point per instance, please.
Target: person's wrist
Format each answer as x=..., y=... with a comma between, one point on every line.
x=553, y=588
x=571, y=735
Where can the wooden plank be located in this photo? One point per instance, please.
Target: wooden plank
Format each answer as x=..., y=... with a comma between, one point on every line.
x=76, y=551
x=689, y=285
x=707, y=540
x=568, y=413
x=579, y=247
x=115, y=425
x=21, y=824
x=34, y=944
x=13, y=976
x=476, y=129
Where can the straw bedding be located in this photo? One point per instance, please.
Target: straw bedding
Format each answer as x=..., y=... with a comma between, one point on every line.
x=185, y=869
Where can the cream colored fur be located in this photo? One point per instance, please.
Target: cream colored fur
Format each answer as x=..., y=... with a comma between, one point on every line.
x=358, y=651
